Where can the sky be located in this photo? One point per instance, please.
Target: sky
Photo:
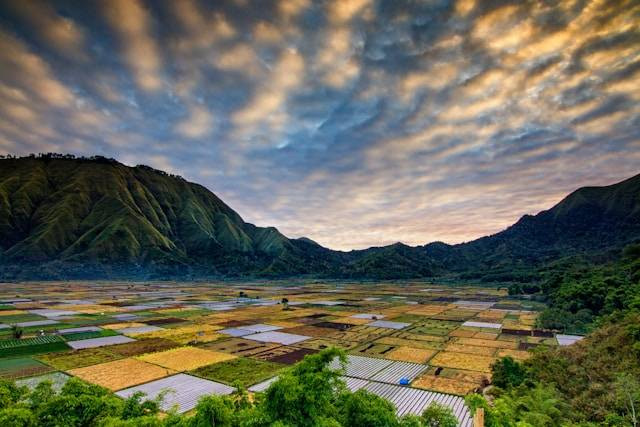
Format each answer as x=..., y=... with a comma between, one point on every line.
x=355, y=123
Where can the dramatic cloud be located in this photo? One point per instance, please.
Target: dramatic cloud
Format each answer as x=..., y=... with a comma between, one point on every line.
x=352, y=122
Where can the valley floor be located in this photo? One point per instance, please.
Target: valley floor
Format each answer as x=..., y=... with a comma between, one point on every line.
x=412, y=343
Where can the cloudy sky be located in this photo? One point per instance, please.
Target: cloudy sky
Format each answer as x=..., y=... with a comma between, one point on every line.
x=352, y=122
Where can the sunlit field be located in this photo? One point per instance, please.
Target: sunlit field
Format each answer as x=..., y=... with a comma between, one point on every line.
x=121, y=335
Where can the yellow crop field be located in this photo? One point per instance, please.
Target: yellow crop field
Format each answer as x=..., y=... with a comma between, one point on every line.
x=445, y=385
x=471, y=349
x=486, y=335
x=352, y=320
x=121, y=374
x=470, y=362
x=410, y=354
x=428, y=310
x=462, y=333
x=427, y=345
x=11, y=312
x=89, y=308
x=187, y=334
x=419, y=337
x=123, y=325
x=488, y=343
x=185, y=358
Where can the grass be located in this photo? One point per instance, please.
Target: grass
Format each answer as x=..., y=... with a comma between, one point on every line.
x=121, y=374
x=185, y=358
x=244, y=370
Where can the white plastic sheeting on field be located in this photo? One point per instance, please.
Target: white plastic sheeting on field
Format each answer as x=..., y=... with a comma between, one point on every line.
x=372, y=316
x=388, y=324
x=409, y=400
x=182, y=390
x=393, y=373
x=99, y=342
x=568, y=339
x=261, y=327
x=482, y=325
x=277, y=337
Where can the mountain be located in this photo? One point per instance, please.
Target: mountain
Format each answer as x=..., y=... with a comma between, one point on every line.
x=95, y=215
x=69, y=217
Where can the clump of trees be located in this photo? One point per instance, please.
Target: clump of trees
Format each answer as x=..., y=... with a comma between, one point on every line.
x=593, y=382
x=579, y=293
x=309, y=394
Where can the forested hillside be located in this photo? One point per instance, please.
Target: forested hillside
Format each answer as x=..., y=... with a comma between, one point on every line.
x=66, y=217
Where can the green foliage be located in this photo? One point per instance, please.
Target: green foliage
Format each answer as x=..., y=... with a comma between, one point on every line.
x=27, y=346
x=592, y=381
x=537, y=406
x=244, y=370
x=17, y=417
x=508, y=372
x=579, y=294
x=308, y=394
x=364, y=408
x=213, y=411
x=16, y=332
x=437, y=415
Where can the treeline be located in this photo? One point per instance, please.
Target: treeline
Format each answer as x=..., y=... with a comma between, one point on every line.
x=578, y=293
x=309, y=394
x=595, y=382
x=95, y=159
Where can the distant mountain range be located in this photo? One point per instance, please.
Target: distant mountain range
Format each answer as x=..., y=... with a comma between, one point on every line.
x=65, y=217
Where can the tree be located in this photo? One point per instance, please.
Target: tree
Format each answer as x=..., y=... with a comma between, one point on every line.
x=16, y=332
x=135, y=406
x=437, y=415
x=508, y=372
x=17, y=417
x=627, y=389
x=410, y=421
x=306, y=394
x=213, y=411
x=364, y=408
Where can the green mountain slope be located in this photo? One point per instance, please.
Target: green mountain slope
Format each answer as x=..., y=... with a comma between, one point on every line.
x=100, y=212
x=66, y=217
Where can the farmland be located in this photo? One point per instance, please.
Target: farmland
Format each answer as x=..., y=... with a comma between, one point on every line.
x=131, y=336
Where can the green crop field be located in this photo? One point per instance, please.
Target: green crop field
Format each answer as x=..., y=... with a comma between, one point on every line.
x=244, y=370
x=27, y=346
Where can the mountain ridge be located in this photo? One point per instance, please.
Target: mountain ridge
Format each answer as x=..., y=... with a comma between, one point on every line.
x=62, y=215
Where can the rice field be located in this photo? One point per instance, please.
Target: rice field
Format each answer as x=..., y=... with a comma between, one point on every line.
x=121, y=374
x=185, y=358
x=124, y=336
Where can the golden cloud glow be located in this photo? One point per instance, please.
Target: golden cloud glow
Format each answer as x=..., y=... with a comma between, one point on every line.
x=64, y=35
x=33, y=71
x=130, y=19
